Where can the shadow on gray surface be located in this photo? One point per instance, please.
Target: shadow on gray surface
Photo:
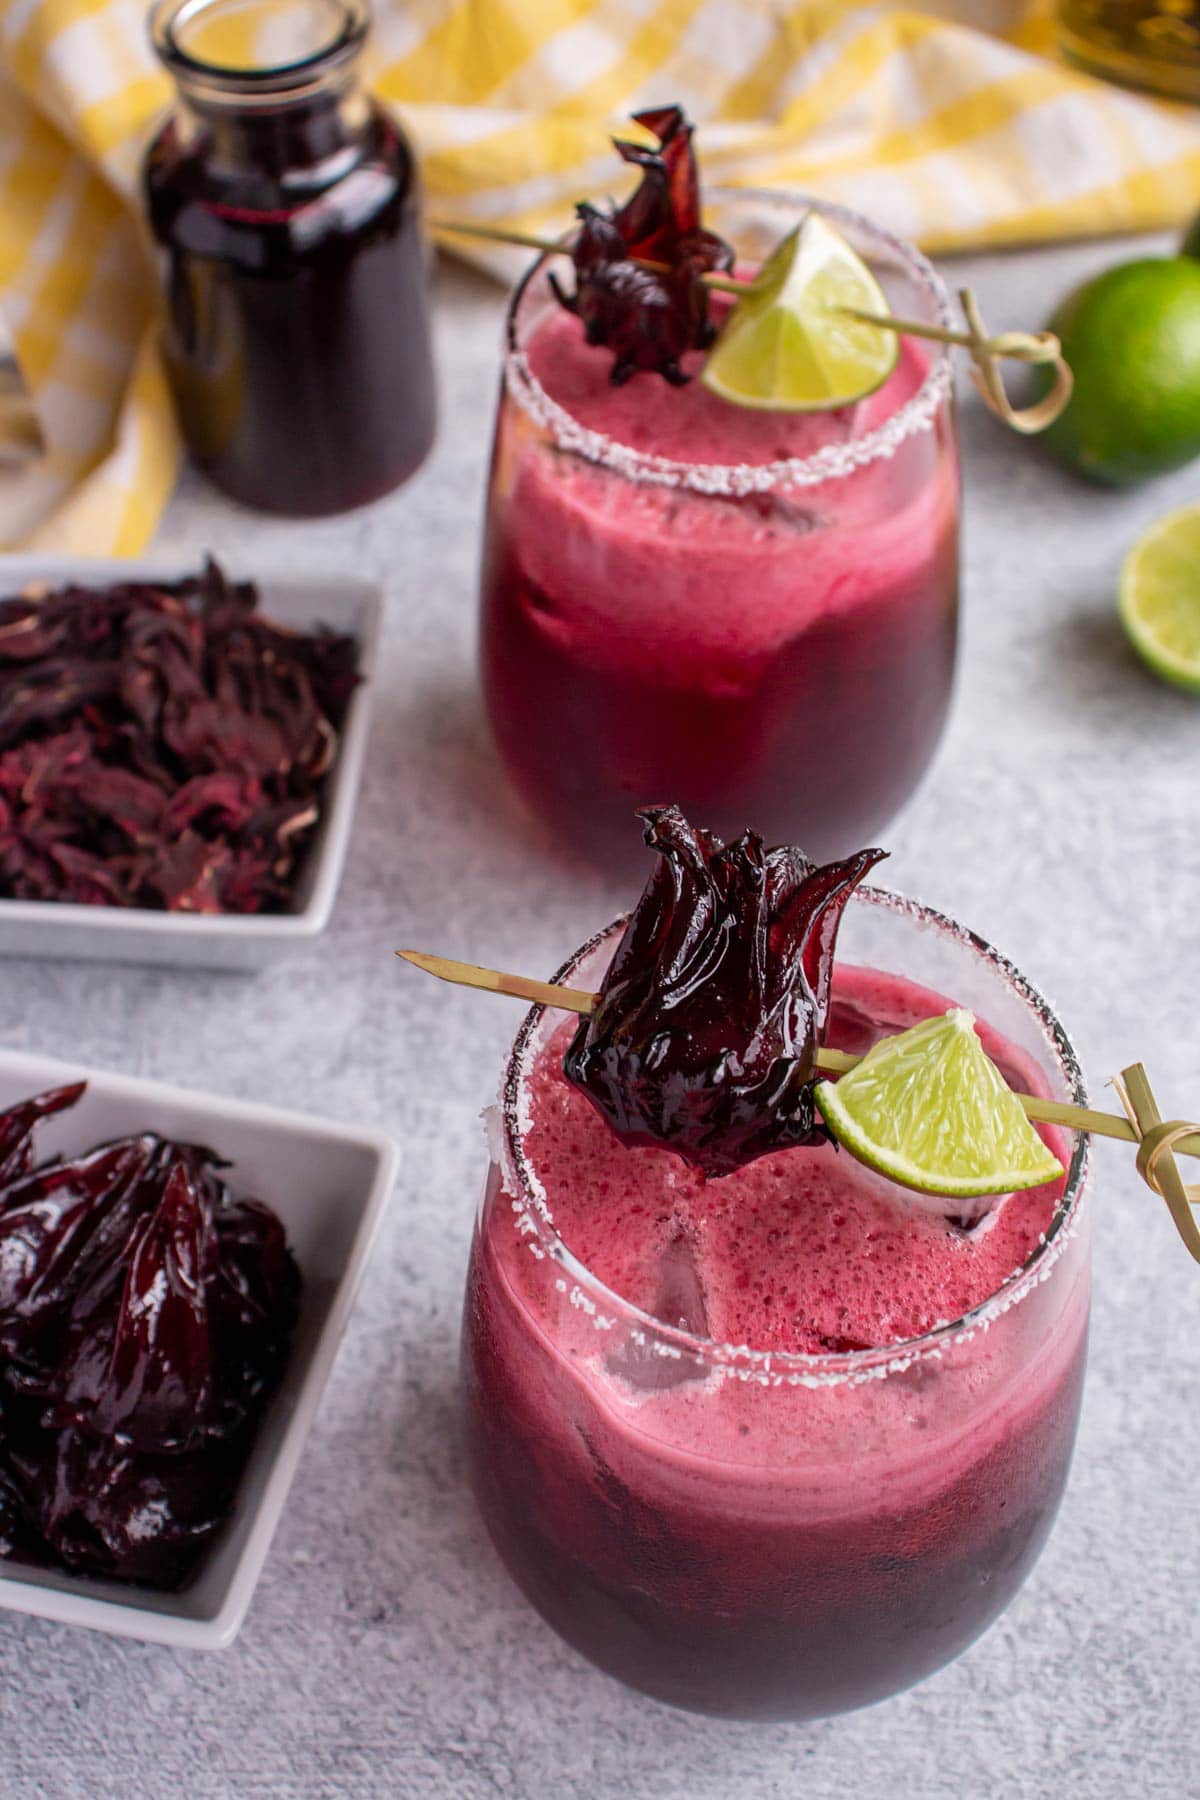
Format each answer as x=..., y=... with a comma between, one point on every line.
x=455, y=772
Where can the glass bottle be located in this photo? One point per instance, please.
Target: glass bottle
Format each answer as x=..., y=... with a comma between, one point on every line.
x=285, y=203
x=1144, y=43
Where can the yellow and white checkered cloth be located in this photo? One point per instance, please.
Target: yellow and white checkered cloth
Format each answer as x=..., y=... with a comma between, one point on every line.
x=955, y=125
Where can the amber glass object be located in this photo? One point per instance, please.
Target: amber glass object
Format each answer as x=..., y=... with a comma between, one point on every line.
x=285, y=204
x=1145, y=43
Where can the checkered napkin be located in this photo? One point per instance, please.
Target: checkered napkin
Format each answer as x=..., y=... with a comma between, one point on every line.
x=956, y=126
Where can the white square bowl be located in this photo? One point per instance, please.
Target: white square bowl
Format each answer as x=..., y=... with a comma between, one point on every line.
x=330, y=1185
x=217, y=940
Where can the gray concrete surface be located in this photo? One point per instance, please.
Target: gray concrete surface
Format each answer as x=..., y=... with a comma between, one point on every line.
x=387, y=1652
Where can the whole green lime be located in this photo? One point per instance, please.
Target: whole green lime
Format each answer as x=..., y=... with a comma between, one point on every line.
x=1132, y=338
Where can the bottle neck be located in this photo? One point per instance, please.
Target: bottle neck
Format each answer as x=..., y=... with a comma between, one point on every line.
x=283, y=133
x=273, y=85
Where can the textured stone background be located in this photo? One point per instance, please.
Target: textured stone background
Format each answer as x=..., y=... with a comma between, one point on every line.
x=386, y=1652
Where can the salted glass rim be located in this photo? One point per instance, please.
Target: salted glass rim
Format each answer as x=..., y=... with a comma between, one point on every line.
x=833, y=462
x=350, y=22
x=827, y=1368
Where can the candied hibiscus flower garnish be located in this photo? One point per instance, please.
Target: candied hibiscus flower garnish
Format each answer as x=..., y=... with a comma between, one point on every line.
x=704, y=1039
x=649, y=317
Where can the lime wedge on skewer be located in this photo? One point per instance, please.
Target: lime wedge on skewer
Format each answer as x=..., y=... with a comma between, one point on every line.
x=1160, y=597
x=787, y=345
x=930, y=1109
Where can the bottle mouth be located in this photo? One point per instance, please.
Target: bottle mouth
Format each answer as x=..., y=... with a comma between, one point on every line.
x=244, y=48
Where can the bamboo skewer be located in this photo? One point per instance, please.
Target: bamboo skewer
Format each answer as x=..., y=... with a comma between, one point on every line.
x=1022, y=346
x=493, y=981
x=985, y=351
x=1157, y=1143
x=494, y=234
x=836, y=1062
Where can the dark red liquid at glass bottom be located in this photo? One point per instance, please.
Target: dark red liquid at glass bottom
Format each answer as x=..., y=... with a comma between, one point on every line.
x=749, y=1619
x=864, y=696
x=297, y=336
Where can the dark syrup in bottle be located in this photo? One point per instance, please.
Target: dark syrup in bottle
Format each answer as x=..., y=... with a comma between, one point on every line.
x=285, y=204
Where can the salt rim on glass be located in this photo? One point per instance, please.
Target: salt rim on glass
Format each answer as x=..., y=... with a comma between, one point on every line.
x=507, y=1121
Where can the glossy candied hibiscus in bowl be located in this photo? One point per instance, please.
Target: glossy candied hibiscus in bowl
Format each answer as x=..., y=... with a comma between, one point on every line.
x=146, y=1314
x=328, y=1184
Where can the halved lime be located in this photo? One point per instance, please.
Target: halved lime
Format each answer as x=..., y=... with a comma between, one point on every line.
x=930, y=1109
x=1160, y=597
x=787, y=345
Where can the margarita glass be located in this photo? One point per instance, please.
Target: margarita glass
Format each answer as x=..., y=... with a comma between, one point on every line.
x=757, y=1532
x=750, y=613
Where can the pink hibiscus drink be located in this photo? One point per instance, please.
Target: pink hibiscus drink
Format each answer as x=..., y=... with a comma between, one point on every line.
x=783, y=1443
x=683, y=596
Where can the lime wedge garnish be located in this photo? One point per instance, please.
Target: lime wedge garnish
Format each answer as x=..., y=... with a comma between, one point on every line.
x=1160, y=597
x=930, y=1109
x=787, y=345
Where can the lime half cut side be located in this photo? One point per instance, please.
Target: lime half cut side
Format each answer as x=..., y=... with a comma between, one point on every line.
x=1160, y=597
x=787, y=345
x=930, y=1110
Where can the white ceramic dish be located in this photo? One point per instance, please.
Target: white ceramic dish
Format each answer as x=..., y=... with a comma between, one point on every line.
x=330, y=1185
x=224, y=940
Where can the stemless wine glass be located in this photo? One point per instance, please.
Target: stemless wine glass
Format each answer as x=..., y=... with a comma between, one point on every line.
x=755, y=616
x=772, y=1535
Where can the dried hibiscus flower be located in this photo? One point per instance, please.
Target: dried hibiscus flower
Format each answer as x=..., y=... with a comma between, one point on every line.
x=162, y=745
x=648, y=316
x=145, y=1318
x=705, y=1035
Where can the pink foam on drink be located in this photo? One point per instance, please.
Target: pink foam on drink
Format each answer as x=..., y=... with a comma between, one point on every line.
x=802, y=1251
x=635, y=570
x=690, y=424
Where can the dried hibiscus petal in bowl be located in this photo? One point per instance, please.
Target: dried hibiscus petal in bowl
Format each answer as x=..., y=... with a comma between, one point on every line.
x=146, y=1317
x=163, y=745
